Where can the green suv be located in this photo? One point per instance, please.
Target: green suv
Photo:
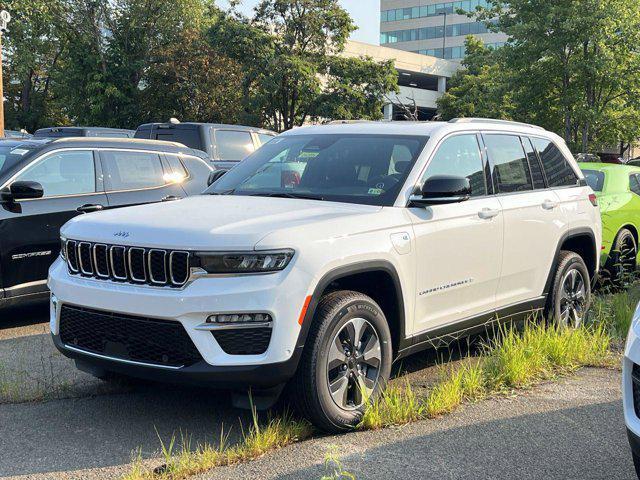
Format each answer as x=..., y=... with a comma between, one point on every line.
x=618, y=190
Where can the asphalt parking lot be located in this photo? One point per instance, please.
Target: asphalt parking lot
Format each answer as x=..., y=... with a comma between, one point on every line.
x=85, y=428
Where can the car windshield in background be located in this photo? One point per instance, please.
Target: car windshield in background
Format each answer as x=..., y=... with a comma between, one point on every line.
x=366, y=169
x=595, y=179
x=14, y=154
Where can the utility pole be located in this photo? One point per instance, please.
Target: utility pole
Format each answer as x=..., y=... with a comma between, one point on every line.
x=444, y=34
x=5, y=18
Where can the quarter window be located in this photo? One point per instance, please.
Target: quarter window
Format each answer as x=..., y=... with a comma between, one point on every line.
x=595, y=179
x=559, y=172
x=634, y=184
x=133, y=170
x=64, y=173
x=510, y=167
x=460, y=156
x=233, y=145
x=534, y=164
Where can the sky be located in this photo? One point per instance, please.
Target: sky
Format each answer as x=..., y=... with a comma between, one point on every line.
x=365, y=14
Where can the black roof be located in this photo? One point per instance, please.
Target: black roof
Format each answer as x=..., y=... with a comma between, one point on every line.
x=44, y=131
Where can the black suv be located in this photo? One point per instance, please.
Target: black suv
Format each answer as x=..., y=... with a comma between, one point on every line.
x=103, y=132
x=46, y=182
x=226, y=145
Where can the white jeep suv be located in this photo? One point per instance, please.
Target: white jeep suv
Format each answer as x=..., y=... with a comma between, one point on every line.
x=327, y=255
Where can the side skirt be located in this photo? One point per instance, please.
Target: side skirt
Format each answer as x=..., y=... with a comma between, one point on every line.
x=487, y=322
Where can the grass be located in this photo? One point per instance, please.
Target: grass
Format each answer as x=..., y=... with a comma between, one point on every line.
x=514, y=359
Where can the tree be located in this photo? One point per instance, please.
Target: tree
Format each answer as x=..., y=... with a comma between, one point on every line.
x=290, y=52
x=480, y=88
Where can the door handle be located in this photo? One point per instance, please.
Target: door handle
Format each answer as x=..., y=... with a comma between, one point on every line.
x=170, y=198
x=488, y=213
x=90, y=207
x=549, y=204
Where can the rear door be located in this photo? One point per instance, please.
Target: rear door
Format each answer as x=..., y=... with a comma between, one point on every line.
x=30, y=229
x=533, y=220
x=133, y=177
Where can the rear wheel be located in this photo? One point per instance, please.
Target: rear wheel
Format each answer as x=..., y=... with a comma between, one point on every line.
x=346, y=361
x=636, y=464
x=621, y=265
x=570, y=294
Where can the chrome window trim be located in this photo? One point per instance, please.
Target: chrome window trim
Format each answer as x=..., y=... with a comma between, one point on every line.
x=171, y=277
x=133, y=278
x=80, y=263
x=164, y=259
x=95, y=259
x=124, y=263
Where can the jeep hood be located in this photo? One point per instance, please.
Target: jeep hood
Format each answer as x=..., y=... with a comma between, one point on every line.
x=206, y=222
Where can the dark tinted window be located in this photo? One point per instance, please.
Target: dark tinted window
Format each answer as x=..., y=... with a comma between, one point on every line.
x=460, y=156
x=64, y=173
x=559, y=172
x=634, y=184
x=364, y=169
x=12, y=155
x=534, y=163
x=511, y=169
x=233, y=144
x=595, y=179
x=133, y=170
x=189, y=137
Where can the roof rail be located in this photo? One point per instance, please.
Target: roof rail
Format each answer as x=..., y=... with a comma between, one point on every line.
x=490, y=120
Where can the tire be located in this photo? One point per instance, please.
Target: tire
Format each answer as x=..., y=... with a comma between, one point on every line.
x=570, y=294
x=622, y=265
x=338, y=315
x=636, y=464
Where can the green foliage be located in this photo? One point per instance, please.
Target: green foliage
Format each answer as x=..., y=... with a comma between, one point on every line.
x=571, y=66
x=293, y=71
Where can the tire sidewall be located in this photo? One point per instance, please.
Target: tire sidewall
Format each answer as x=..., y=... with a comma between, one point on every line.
x=360, y=308
x=574, y=262
x=617, y=272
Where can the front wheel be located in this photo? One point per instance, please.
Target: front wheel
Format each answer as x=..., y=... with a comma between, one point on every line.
x=345, y=363
x=570, y=294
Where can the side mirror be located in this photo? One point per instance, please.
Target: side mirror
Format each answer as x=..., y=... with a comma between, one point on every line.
x=441, y=190
x=22, y=190
x=215, y=176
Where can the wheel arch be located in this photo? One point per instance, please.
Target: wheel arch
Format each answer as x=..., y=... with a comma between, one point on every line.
x=581, y=241
x=377, y=279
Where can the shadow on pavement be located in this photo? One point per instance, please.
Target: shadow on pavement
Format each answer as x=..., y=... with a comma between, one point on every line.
x=20, y=316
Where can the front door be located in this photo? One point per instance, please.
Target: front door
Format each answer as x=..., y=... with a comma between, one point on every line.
x=30, y=229
x=458, y=246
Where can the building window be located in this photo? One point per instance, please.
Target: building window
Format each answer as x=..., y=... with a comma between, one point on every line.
x=427, y=33
x=432, y=10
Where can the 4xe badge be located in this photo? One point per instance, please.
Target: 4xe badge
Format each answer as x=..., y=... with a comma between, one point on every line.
x=121, y=234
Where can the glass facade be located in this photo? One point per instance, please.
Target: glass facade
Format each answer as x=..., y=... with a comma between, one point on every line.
x=432, y=10
x=428, y=33
x=453, y=53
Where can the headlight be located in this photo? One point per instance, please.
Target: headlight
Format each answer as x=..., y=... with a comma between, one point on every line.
x=63, y=248
x=243, y=262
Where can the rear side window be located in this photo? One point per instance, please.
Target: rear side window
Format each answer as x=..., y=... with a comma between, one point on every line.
x=459, y=156
x=634, y=184
x=132, y=170
x=233, y=145
x=510, y=167
x=559, y=172
x=264, y=138
x=534, y=163
x=595, y=179
x=189, y=137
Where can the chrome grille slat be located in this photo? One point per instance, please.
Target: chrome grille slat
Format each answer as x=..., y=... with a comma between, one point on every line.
x=136, y=265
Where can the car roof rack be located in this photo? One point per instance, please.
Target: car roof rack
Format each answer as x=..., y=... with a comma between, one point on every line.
x=491, y=120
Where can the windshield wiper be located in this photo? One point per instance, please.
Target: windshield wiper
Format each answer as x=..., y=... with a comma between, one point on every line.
x=305, y=196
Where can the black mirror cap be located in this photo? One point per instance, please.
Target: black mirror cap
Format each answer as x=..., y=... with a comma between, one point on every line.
x=23, y=190
x=443, y=189
x=215, y=176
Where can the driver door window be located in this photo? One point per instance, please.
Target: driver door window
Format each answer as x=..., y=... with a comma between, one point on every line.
x=64, y=173
x=460, y=156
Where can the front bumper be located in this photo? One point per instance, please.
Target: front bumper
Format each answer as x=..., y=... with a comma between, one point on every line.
x=281, y=295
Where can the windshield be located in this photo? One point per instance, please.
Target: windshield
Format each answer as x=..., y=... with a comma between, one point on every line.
x=366, y=169
x=595, y=179
x=11, y=155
